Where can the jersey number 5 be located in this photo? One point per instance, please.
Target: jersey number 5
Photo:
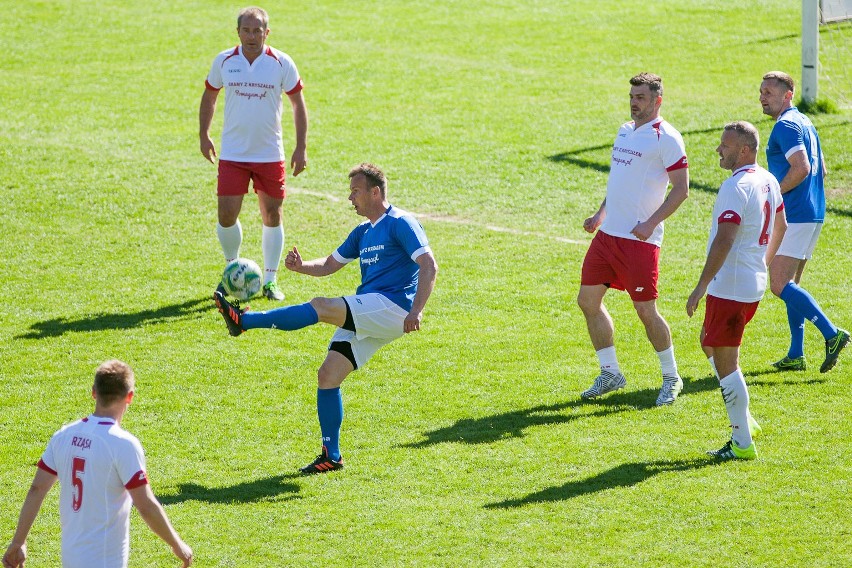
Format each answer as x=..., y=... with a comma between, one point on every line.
x=764, y=232
x=78, y=466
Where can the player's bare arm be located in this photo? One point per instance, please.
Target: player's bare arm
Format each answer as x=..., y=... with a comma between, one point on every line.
x=205, y=118
x=800, y=168
x=16, y=553
x=299, y=160
x=779, y=227
x=316, y=267
x=591, y=224
x=678, y=194
x=719, y=249
x=155, y=517
x=425, y=285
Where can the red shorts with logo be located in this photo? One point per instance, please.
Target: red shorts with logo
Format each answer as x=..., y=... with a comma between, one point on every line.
x=623, y=264
x=725, y=320
x=267, y=177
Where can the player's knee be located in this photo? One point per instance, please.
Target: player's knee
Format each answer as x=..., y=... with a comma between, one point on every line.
x=321, y=305
x=328, y=378
x=777, y=285
x=587, y=303
x=647, y=313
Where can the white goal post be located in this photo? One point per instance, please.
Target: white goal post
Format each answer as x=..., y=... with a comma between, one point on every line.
x=814, y=13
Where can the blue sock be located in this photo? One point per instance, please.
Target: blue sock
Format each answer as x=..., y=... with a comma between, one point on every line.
x=288, y=318
x=797, y=333
x=799, y=299
x=330, y=413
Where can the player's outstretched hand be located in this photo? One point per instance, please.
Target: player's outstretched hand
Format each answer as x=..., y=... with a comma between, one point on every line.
x=184, y=553
x=15, y=556
x=693, y=300
x=293, y=260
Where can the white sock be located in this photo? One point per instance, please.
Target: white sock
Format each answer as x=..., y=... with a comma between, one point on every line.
x=608, y=361
x=735, y=393
x=273, y=246
x=230, y=239
x=713, y=366
x=667, y=361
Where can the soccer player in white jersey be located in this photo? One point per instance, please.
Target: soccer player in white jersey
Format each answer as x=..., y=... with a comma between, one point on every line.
x=794, y=156
x=254, y=76
x=748, y=225
x=101, y=472
x=648, y=153
x=398, y=272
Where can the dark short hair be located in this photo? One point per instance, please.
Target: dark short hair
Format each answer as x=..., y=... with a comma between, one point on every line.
x=654, y=82
x=113, y=380
x=747, y=133
x=782, y=78
x=258, y=13
x=374, y=175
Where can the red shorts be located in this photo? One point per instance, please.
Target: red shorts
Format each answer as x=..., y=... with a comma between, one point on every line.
x=725, y=320
x=623, y=264
x=267, y=177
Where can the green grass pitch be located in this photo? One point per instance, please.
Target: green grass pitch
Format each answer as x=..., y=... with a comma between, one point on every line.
x=466, y=443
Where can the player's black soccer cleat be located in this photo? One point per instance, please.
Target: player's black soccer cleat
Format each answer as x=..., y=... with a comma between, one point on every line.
x=731, y=451
x=788, y=364
x=322, y=464
x=231, y=312
x=833, y=347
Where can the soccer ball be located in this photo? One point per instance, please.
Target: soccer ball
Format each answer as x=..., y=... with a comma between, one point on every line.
x=242, y=278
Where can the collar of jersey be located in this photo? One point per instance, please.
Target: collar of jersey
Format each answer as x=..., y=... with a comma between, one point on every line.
x=656, y=122
x=100, y=420
x=785, y=112
x=385, y=214
x=744, y=168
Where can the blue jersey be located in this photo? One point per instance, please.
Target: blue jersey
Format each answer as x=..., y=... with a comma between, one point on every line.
x=387, y=253
x=793, y=131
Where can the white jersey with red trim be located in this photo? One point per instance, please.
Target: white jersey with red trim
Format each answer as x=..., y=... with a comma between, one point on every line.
x=639, y=175
x=96, y=462
x=253, y=107
x=750, y=198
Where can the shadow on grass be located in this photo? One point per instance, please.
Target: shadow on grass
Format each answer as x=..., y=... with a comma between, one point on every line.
x=59, y=326
x=274, y=488
x=489, y=429
x=625, y=475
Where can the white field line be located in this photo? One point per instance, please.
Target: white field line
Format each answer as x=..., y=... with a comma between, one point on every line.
x=451, y=219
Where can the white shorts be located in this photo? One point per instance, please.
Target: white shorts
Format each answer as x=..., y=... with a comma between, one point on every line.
x=378, y=321
x=800, y=240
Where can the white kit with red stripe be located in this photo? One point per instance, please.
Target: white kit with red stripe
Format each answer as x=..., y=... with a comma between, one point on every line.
x=96, y=462
x=639, y=174
x=253, y=91
x=749, y=198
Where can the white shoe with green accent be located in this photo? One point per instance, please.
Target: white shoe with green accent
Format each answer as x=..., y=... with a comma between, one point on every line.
x=271, y=291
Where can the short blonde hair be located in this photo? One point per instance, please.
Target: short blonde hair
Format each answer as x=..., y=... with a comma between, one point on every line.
x=782, y=78
x=113, y=380
x=258, y=13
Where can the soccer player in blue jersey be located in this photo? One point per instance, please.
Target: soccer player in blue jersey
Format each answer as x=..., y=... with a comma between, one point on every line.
x=794, y=157
x=398, y=272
